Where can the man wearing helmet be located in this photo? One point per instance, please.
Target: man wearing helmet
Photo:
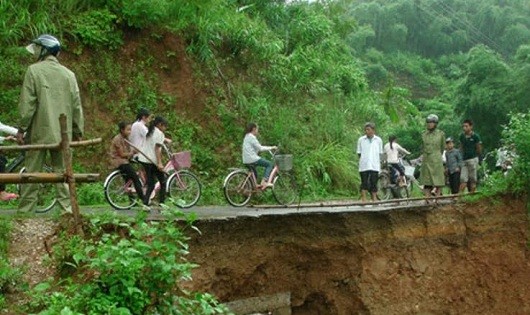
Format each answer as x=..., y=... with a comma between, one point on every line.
x=432, y=169
x=49, y=90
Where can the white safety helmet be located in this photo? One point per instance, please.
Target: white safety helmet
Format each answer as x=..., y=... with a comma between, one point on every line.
x=44, y=45
x=432, y=118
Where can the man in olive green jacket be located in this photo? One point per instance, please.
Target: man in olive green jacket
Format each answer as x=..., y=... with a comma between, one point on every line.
x=49, y=90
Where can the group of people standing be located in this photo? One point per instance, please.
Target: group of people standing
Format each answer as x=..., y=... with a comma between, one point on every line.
x=439, y=158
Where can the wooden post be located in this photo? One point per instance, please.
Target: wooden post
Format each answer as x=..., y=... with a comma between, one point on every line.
x=69, y=173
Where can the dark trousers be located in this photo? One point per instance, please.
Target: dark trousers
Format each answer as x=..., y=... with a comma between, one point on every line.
x=454, y=182
x=129, y=173
x=152, y=173
x=396, y=169
x=3, y=162
x=369, y=180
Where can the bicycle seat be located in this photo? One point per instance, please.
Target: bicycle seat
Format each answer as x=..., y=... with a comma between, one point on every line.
x=251, y=167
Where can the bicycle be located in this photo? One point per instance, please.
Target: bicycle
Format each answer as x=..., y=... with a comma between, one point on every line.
x=387, y=186
x=241, y=183
x=47, y=193
x=183, y=187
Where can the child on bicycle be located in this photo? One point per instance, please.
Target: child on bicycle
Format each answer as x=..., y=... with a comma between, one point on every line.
x=120, y=153
x=151, y=158
x=251, y=148
x=11, y=132
x=392, y=150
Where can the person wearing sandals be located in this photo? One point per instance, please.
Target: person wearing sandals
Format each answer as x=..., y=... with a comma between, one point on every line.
x=250, y=152
x=11, y=136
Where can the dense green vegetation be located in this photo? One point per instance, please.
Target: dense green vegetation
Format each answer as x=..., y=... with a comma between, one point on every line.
x=123, y=266
x=9, y=276
x=310, y=74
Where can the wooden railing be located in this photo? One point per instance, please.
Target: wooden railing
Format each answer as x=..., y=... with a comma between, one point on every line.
x=68, y=177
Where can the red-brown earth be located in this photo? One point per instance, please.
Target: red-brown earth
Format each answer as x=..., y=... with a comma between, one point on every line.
x=455, y=259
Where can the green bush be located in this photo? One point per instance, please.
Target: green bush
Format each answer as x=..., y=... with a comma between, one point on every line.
x=516, y=137
x=125, y=267
x=9, y=276
x=97, y=28
x=328, y=170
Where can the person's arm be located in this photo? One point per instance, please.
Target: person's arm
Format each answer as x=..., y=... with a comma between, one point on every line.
x=158, y=152
x=382, y=154
x=78, y=122
x=478, y=146
x=258, y=147
x=158, y=149
x=442, y=142
x=121, y=152
x=359, y=148
x=459, y=160
x=27, y=105
x=12, y=131
x=402, y=150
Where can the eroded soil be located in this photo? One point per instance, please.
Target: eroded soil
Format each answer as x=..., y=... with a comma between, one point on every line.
x=456, y=259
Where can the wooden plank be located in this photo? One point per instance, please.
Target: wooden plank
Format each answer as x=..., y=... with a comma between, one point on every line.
x=266, y=303
x=24, y=178
x=53, y=146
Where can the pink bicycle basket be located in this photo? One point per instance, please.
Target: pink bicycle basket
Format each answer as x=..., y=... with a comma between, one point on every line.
x=182, y=159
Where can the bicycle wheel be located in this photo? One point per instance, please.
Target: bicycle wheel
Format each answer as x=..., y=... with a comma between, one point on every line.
x=402, y=192
x=46, y=196
x=285, y=190
x=384, y=192
x=237, y=188
x=184, y=188
x=119, y=193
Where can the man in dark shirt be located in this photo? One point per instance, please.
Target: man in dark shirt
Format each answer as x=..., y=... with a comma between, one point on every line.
x=471, y=148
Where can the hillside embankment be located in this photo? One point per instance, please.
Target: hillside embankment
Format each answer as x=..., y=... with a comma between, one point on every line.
x=456, y=259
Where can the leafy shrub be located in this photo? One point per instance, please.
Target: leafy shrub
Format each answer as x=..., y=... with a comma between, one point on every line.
x=9, y=276
x=327, y=170
x=97, y=28
x=90, y=194
x=516, y=137
x=126, y=267
x=143, y=13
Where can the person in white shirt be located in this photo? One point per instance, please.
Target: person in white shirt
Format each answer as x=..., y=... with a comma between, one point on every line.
x=369, y=149
x=151, y=158
x=392, y=150
x=11, y=136
x=250, y=150
x=139, y=128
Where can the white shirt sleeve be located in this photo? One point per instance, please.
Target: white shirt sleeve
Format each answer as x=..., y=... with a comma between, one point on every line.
x=257, y=146
x=8, y=129
x=401, y=149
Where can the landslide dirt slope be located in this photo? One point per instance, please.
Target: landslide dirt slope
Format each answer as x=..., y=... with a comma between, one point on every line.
x=457, y=259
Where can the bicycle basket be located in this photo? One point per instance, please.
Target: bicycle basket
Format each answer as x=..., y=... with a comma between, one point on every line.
x=182, y=159
x=409, y=170
x=284, y=161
